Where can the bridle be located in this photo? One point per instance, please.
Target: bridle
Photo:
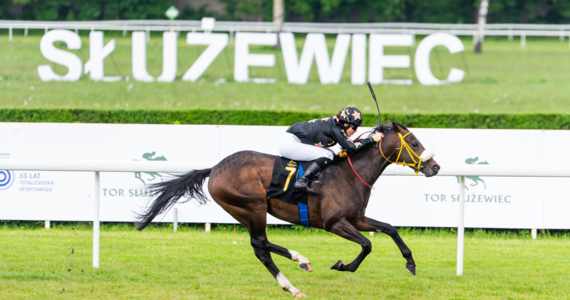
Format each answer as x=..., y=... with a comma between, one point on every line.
x=403, y=145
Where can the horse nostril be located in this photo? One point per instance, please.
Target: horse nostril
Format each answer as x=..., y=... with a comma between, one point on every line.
x=436, y=167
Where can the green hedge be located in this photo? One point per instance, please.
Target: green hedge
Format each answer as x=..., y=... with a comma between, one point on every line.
x=256, y=117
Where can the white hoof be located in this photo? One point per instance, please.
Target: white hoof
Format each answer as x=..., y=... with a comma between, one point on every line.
x=300, y=295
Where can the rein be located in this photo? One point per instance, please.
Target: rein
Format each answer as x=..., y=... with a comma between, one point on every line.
x=404, y=145
x=350, y=162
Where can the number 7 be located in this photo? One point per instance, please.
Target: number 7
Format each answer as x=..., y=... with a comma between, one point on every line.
x=291, y=171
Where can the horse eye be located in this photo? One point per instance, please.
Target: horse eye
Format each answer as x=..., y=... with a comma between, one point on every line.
x=415, y=145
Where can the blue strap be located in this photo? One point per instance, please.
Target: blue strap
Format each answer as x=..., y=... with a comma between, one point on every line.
x=303, y=211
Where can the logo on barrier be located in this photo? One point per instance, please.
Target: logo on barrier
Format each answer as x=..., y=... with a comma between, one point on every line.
x=482, y=197
x=7, y=179
x=475, y=179
x=151, y=175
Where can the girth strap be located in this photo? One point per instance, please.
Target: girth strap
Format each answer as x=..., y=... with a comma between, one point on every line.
x=303, y=209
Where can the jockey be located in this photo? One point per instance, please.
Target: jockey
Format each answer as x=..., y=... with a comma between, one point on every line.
x=308, y=141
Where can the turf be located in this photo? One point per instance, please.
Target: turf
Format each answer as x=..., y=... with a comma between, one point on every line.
x=504, y=79
x=159, y=264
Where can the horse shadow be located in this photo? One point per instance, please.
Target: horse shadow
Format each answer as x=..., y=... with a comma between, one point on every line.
x=475, y=179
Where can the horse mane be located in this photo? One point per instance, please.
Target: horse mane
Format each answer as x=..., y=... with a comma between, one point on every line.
x=384, y=128
x=388, y=127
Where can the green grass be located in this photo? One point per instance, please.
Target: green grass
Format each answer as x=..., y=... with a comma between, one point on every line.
x=159, y=264
x=504, y=79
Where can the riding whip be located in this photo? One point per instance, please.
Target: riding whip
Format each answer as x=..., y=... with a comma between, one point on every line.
x=374, y=96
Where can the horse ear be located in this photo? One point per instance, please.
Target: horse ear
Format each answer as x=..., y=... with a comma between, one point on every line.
x=398, y=127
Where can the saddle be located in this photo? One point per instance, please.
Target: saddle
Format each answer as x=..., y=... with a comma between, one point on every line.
x=285, y=174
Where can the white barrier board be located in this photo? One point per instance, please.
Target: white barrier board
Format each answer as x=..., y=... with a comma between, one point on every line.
x=492, y=202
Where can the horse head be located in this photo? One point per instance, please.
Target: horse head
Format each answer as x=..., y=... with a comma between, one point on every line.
x=401, y=146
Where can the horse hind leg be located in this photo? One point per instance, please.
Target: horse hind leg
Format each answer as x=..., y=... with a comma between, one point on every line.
x=262, y=247
x=293, y=255
x=256, y=225
x=265, y=257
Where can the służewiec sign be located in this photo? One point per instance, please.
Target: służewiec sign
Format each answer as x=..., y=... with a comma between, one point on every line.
x=297, y=69
x=492, y=202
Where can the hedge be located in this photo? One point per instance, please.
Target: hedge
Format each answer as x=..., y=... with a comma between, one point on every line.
x=256, y=117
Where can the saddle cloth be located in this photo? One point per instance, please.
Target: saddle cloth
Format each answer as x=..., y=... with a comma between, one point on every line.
x=285, y=174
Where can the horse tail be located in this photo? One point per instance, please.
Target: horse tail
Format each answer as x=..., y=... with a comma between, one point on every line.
x=169, y=192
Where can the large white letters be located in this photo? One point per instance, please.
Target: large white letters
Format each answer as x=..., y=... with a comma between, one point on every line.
x=315, y=47
x=358, y=73
x=216, y=43
x=244, y=60
x=297, y=70
x=139, y=57
x=58, y=56
x=97, y=54
x=379, y=61
x=169, y=55
x=421, y=62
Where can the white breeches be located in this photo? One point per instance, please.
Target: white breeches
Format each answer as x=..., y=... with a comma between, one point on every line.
x=291, y=147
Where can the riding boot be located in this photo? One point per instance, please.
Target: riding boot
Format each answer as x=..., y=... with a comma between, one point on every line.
x=302, y=184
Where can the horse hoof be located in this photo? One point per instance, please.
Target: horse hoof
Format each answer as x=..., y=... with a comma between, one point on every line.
x=300, y=295
x=411, y=268
x=306, y=267
x=337, y=265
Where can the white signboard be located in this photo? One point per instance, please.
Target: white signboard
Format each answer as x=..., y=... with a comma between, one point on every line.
x=297, y=67
x=492, y=202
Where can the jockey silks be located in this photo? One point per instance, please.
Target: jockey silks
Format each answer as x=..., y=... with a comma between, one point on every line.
x=326, y=132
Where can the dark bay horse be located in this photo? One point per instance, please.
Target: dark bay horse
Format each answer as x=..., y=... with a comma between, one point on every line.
x=239, y=184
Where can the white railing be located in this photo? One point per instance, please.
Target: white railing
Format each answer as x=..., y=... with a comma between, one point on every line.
x=227, y=26
x=185, y=166
x=510, y=30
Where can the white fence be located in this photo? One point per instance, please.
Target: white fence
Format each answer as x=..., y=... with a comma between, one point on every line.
x=494, y=202
x=509, y=30
x=333, y=28
x=182, y=167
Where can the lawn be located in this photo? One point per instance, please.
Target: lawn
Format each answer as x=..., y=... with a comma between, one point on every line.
x=160, y=264
x=504, y=79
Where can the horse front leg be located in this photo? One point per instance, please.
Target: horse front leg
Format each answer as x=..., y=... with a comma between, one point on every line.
x=367, y=224
x=345, y=229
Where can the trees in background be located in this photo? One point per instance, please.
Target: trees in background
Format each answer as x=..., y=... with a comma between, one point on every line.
x=432, y=11
x=80, y=10
x=481, y=21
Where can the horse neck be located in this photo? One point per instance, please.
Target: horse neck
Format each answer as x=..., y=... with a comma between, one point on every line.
x=369, y=163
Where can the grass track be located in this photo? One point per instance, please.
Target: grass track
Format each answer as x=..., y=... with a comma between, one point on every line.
x=505, y=79
x=159, y=264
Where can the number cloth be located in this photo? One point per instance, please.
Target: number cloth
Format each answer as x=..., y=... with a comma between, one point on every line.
x=285, y=174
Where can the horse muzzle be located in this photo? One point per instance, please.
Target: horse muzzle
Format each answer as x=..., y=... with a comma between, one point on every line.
x=429, y=169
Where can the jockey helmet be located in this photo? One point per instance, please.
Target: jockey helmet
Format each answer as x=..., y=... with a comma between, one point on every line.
x=350, y=115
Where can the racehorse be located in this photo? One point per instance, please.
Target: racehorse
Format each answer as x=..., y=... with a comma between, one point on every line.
x=239, y=184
